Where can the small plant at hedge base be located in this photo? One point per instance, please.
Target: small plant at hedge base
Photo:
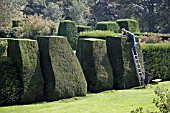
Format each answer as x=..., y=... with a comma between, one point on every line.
x=162, y=102
x=138, y=110
x=9, y=82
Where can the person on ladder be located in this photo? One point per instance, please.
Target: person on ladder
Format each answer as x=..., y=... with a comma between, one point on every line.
x=131, y=36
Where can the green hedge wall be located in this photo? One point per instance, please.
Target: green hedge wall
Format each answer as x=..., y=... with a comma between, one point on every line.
x=81, y=28
x=96, y=34
x=25, y=55
x=129, y=24
x=110, y=26
x=157, y=60
x=61, y=69
x=9, y=82
x=120, y=57
x=68, y=28
x=93, y=58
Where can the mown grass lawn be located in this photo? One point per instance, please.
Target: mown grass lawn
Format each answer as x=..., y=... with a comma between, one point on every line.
x=119, y=101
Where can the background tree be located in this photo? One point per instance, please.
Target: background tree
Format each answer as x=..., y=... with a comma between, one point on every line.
x=10, y=10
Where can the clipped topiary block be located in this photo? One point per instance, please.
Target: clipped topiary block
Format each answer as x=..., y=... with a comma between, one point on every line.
x=120, y=57
x=68, y=28
x=81, y=28
x=129, y=24
x=62, y=72
x=111, y=26
x=25, y=55
x=93, y=58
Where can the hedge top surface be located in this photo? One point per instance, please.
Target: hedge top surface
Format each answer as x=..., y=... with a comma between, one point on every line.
x=83, y=26
x=92, y=39
x=129, y=20
x=52, y=37
x=66, y=21
x=97, y=33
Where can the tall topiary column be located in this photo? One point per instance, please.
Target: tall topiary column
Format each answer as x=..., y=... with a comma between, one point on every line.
x=92, y=55
x=25, y=55
x=62, y=72
x=120, y=57
x=68, y=28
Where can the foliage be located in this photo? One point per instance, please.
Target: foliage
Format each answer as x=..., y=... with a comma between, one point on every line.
x=157, y=60
x=92, y=55
x=96, y=33
x=129, y=24
x=151, y=39
x=77, y=11
x=9, y=82
x=10, y=10
x=138, y=110
x=8, y=32
x=63, y=75
x=111, y=26
x=35, y=25
x=68, y=28
x=120, y=57
x=82, y=28
x=3, y=47
x=53, y=11
x=25, y=56
x=163, y=100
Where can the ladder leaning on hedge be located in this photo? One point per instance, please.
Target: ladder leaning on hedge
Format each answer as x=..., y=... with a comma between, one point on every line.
x=138, y=67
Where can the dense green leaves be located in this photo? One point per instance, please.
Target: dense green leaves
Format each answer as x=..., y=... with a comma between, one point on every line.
x=68, y=28
x=157, y=60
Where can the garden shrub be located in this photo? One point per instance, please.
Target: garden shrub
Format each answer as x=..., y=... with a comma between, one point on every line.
x=121, y=60
x=81, y=28
x=25, y=55
x=92, y=54
x=68, y=28
x=63, y=75
x=110, y=26
x=129, y=24
x=96, y=34
x=151, y=39
x=9, y=82
x=157, y=60
x=36, y=25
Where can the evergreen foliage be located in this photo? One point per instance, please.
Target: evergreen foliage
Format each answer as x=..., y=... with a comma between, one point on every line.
x=157, y=60
x=61, y=70
x=68, y=28
x=129, y=24
x=92, y=54
x=120, y=57
x=10, y=89
x=96, y=34
x=3, y=47
x=110, y=26
x=25, y=55
x=82, y=28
